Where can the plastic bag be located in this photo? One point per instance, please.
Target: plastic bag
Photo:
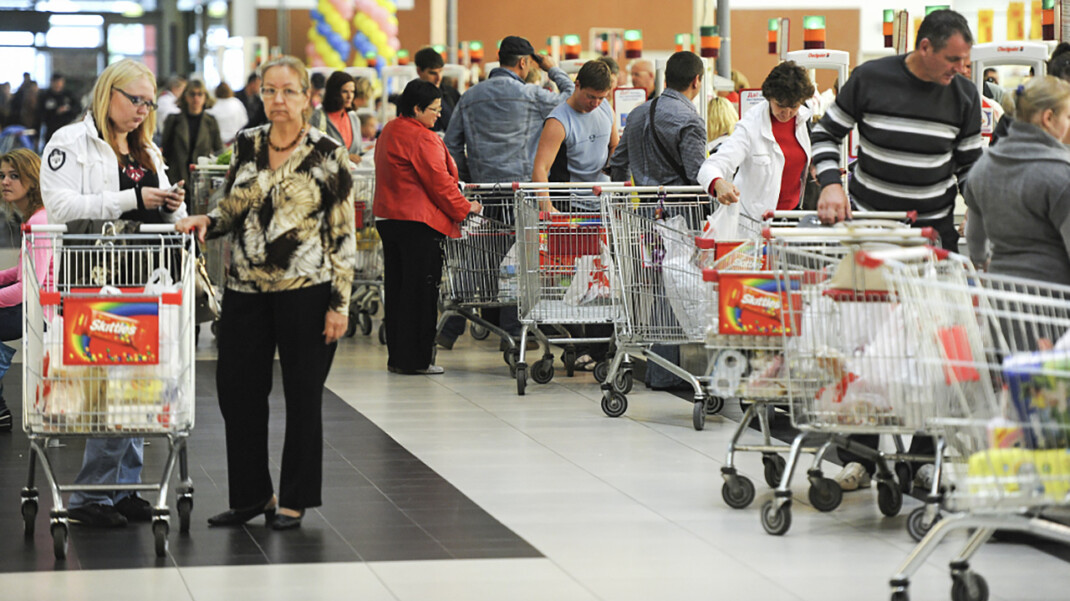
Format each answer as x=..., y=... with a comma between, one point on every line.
x=591, y=281
x=682, y=276
x=507, y=281
x=169, y=318
x=724, y=223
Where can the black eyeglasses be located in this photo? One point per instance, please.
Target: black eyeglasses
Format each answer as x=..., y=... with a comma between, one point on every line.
x=137, y=101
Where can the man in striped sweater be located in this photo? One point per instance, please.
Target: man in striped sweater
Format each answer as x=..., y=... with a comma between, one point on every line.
x=919, y=126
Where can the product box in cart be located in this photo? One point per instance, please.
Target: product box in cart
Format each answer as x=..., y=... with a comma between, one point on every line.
x=1039, y=386
x=752, y=303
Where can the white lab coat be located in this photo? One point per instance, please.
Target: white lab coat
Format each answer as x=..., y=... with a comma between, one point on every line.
x=80, y=177
x=754, y=151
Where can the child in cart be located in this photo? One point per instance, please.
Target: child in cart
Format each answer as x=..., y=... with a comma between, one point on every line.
x=20, y=187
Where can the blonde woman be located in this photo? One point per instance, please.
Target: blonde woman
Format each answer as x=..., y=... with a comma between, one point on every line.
x=288, y=213
x=106, y=167
x=721, y=119
x=20, y=188
x=1019, y=192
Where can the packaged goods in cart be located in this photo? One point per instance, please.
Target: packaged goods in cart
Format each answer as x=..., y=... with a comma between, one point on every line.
x=751, y=304
x=591, y=279
x=110, y=330
x=1044, y=472
x=507, y=282
x=1039, y=385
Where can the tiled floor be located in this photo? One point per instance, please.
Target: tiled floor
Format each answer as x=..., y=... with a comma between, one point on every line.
x=452, y=487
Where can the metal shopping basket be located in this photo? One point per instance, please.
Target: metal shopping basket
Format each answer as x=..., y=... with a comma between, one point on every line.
x=844, y=357
x=563, y=268
x=995, y=349
x=366, y=294
x=746, y=343
x=480, y=266
x=108, y=352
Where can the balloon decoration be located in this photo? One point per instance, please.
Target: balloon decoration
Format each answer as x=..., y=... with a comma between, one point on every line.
x=357, y=28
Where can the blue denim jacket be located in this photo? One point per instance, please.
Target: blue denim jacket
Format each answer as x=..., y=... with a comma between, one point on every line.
x=495, y=128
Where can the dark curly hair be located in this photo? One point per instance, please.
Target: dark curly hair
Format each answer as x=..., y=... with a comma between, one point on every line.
x=788, y=84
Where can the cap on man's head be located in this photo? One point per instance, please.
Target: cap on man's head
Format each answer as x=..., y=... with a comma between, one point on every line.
x=515, y=46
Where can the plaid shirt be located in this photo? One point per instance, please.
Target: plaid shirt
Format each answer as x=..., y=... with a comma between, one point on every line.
x=681, y=131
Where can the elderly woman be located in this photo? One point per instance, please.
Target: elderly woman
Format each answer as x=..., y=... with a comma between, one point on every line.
x=288, y=210
x=335, y=118
x=763, y=164
x=106, y=167
x=20, y=188
x=421, y=206
x=191, y=132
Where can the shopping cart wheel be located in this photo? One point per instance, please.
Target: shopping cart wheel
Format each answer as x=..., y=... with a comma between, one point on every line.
x=521, y=378
x=900, y=596
x=29, y=515
x=916, y=523
x=601, y=371
x=774, y=468
x=543, y=371
x=698, y=414
x=623, y=381
x=185, y=508
x=714, y=404
x=351, y=325
x=478, y=332
x=382, y=334
x=215, y=328
x=59, y=540
x=614, y=404
x=510, y=356
x=569, y=359
x=776, y=520
x=159, y=532
x=365, y=323
x=889, y=498
x=825, y=494
x=968, y=586
x=737, y=491
x=905, y=475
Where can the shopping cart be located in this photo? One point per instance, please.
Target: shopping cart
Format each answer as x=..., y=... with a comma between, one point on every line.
x=995, y=348
x=480, y=266
x=563, y=269
x=658, y=282
x=368, y=276
x=747, y=355
x=108, y=352
x=844, y=355
x=207, y=188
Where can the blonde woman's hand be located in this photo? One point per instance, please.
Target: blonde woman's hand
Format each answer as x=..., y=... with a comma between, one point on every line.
x=197, y=224
x=168, y=200
x=334, y=326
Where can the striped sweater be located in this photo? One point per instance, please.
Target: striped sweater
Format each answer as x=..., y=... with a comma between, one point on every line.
x=917, y=139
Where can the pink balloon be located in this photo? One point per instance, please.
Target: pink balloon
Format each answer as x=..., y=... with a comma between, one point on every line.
x=344, y=8
x=391, y=29
x=395, y=43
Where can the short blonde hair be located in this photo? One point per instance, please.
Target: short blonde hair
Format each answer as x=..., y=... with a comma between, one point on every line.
x=298, y=68
x=362, y=88
x=721, y=118
x=119, y=75
x=739, y=80
x=1038, y=95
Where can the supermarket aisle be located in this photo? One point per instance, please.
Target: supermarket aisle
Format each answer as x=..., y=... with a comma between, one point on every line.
x=451, y=487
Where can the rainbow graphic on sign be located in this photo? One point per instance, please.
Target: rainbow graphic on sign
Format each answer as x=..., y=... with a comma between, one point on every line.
x=111, y=331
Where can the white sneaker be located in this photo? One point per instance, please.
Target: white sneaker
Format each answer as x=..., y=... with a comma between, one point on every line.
x=923, y=480
x=432, y=370
x=853, y=477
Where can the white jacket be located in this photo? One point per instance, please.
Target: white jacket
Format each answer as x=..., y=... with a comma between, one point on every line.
x=80, y=177
x=754, y=151
x=231, y=116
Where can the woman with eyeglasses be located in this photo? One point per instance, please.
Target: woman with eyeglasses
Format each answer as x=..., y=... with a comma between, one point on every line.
x=190, y=133
x=107, y=167
x=421, y=205
x=334, y=117
x=288, y=212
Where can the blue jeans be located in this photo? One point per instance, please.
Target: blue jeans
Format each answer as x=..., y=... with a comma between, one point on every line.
x=107, y=461
x=10, y=329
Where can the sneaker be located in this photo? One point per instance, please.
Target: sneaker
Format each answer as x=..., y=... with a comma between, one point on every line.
x=431, y=370
x=584, y=363
x=5, y=420
x=853, y=477
x=97, y=515
x=444, y=343
x=134, y=508
x=923, y=480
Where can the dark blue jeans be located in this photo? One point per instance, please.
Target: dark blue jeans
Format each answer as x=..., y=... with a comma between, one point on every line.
x=10, y=329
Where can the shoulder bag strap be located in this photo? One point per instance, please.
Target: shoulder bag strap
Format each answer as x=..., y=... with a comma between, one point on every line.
x=661, y=146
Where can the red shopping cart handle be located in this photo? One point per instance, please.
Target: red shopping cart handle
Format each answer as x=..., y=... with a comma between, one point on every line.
x=705, y=243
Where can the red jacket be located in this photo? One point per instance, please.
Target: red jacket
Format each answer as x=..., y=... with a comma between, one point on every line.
x=416, y=179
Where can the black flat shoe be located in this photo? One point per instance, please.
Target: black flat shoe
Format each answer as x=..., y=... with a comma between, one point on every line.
x=237, y=517
x=286, y=522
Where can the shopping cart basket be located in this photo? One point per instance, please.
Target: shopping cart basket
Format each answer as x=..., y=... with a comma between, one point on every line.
x=843, y=358
x=368, y=275
x=108, y=352
x=996, y=346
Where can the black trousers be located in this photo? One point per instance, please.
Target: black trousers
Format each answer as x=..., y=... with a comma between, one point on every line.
x=412, y=272
x=252, y=327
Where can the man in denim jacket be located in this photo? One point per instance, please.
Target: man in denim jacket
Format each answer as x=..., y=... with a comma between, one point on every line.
x=493, y=134
x=496, y=126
